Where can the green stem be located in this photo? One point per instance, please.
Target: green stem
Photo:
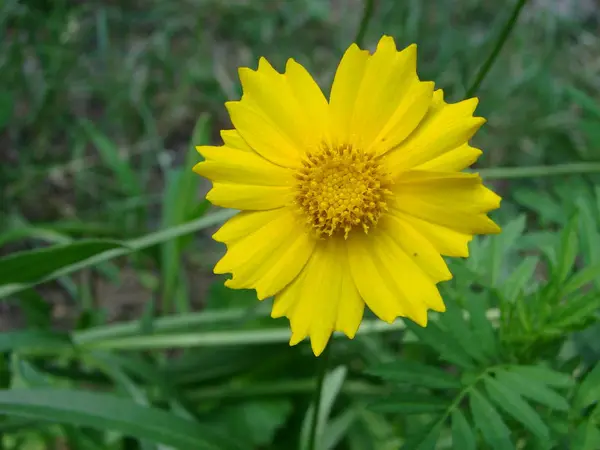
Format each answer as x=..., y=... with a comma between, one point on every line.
x=364, y=22
x=499, y=44
x=502, y=173
x=314, y=424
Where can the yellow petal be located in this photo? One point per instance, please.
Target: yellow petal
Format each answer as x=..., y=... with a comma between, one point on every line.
x=391, y=100
x=444, y=128
x=453, y=161
x=455, y=200
x=269, y=257
x=238, y=166
x=263, y=135
x=416, y=247
x=292, y=103
x=390, y=283
x=249, y=197
x=411, y=110
x=310, y=99
x=244, y=224
x=323, y=298
x=446, y=241
x=344, y=90
x=233, y=139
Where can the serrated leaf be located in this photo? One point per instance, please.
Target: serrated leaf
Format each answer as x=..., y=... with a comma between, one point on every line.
x=545, y=375
x=443, y=342
x=455, y=324
x=462, y=434
x=502, y=244
x=414, y=373
x=520, y=277
x=489, y=422
x=426, y=439
x=482, y=328
x=514, y=405
x=589, y=389
x=410, y=403
x=530, y=387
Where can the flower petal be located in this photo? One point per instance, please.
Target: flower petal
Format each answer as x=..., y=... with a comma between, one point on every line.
x=416, y=247
x=238, y=166
x=455, y=200
x=263, y=135
x=233, y=139
x=249, y=197
x=390, y=283
x=269, y=257
x=453, y=161
x=446, y=241
x=444, y=128
x=346, y=83
x=391, y=100
x=289, y=105
x=323, y=298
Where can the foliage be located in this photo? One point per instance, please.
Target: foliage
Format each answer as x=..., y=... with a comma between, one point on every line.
x=114, y=334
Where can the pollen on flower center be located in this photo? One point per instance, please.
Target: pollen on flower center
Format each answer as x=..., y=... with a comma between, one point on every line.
x=341, y=188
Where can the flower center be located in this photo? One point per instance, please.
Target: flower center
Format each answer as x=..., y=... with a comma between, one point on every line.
x=341, y=188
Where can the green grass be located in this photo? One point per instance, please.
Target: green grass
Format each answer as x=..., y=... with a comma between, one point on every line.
x=114, y=334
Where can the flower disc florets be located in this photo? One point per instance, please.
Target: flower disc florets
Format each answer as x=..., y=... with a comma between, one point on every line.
x=341, y=188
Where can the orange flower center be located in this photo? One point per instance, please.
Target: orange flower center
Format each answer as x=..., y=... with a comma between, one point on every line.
x=340, y=189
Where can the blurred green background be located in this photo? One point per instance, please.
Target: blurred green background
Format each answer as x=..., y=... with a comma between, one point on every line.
x=101, y=104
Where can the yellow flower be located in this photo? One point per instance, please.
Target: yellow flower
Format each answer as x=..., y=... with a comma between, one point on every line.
x=350, y=201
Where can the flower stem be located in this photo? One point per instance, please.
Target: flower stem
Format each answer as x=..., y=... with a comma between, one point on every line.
x=499, y=44
x=314, y=424
x=364, y=22
x=502, y=173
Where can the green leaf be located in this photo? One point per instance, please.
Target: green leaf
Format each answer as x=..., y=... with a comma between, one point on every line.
x=514, y=405
x=414, y=373
x=583, y=277
x=568, y=250
x=426, y=439
x=443, y=342
x=589, y=389
x=410, y=403
x=502, y=244
x=454, y=323
x=32, y=339
x=586, y=437
x=545, y=376
x=127, y=247
x=488, y=421
x=107, y=412
x=126, y=177
x=585, y=101
x=462, y=435
x=520, y=278
x=33, y=265
x=483, y=331
x=338, y=428
x=179, y=202
x=332, y=384
x=254, y=422
x=529, y=386
x=576, y=311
